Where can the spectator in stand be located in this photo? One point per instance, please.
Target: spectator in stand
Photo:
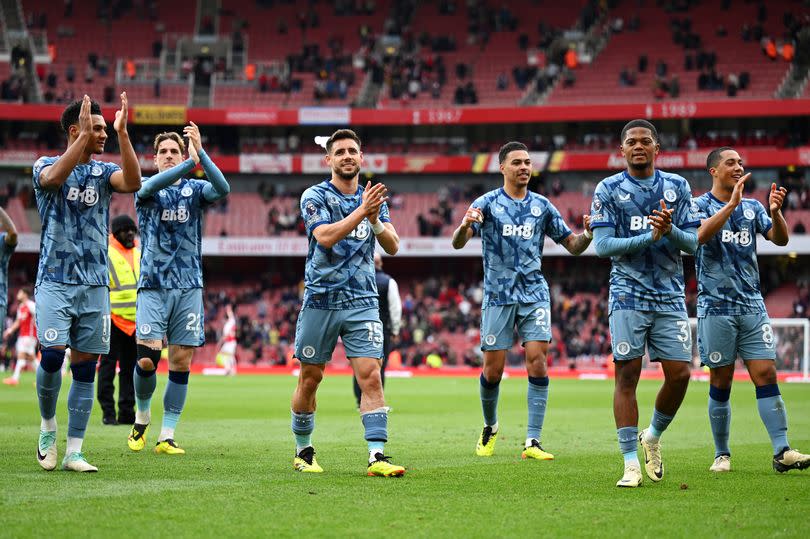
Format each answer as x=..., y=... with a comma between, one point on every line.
x=642, y=63
x=732, y=85
x=627, y=77
x=769, y=47
x=661, y=68
x=674, y=86
x=70, y=72
x=787, y=51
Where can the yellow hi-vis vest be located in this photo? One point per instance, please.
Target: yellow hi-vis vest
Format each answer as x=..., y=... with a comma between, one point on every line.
x=123, y=282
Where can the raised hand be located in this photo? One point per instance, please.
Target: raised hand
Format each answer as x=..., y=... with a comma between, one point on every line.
x=120, y=123
x=373, y=198
x=472, y=216
x=193, y=133
x=661, y=221
x=776, y=198
x=737, y=192
x=85, y=122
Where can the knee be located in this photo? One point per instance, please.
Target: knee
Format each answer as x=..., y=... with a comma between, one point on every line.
x=309, y=384
x=680, y=377
x=371, y=381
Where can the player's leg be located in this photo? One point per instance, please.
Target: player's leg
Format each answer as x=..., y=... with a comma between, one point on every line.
x=151, y=324
x=757, y=348
x=386, y=351
x=19, y=364
x=670, y=342
x=53, y=318
x=316, y=334
x=497, y=334
x=534, y=328
x=174, y=398
x=717, y=345
x=106, y=377
x=362, y=335
x=628, y=330
x=184, y=333
x=89, y=338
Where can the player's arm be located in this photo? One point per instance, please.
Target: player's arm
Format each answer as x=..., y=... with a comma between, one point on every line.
x=55, y=175
x=394, y=307
x=328, y=234
x=387, y=238
x=608, y=245
x=218, y=187
x=465, y=230
x=12, y=328
x=8, y=225
x=661, y=220
x=712, y=225
x=577, y=243
x=779, y=231
x=128, y=179
x=161, y=180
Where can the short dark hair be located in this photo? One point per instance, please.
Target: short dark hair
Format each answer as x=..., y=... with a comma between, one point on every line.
x=713, y=159
x=639, y=123
x=341, y=134
x=70, y=115
x=510, y=147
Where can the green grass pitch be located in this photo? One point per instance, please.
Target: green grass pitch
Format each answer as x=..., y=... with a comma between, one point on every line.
x=237, y=477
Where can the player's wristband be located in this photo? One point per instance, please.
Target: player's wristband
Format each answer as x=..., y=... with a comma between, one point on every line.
x=378, y=228
x=588, y=234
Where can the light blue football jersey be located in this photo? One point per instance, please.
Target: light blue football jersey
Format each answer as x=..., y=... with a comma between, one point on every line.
x=171, y=236
x=727, y=269
x=6, y=251
x=512, y=234
x=75, y=224
x=341, y=277
x=652, y=278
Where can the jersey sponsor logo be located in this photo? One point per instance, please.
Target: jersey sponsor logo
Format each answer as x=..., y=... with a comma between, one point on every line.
x=639, y=222
x=670, y=195
x=715, y=357
x=743, y=237
x=749, y=213
x=145, y=329
x=96, y=170
x=489, y=339
x=89, y=195
x=623, y=348
x=308, y=352
x=597, y=217
x=180, y=215
x=624, y=198
x=536, y=211
x=50, y=334
x=525, y=230
x=186, y=191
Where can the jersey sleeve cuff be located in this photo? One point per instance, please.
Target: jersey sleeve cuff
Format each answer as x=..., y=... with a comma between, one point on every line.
x=689, y=224
x=384, y=219
x=317, y=224
x=597, y=225
x=767, y=229
x=562, y=238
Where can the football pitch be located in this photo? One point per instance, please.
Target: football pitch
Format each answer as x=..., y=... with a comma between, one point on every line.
x=237, y=477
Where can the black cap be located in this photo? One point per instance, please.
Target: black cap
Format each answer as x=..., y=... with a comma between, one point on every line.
x=122, y=222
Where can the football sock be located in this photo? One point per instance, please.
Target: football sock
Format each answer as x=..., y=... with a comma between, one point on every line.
x=18, y=367
x=174, y=398
x=303, y=423
x=375, y=424
x=537, y=396
x=489, y=400
x=80, y=403
x=720, y=419
x=145, y=383
x=772, y=411
x=49, y=382
x=628, y=444
x=658, y=424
